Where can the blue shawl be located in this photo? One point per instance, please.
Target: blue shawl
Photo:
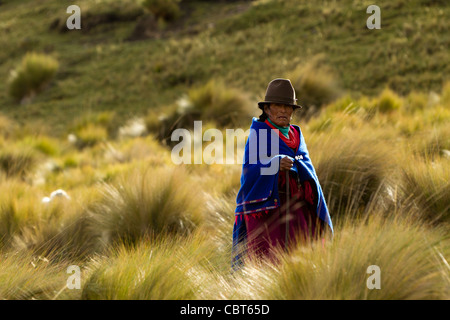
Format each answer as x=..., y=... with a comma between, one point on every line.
x=259, y=179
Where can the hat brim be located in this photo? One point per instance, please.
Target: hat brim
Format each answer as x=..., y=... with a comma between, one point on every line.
x=262, y=103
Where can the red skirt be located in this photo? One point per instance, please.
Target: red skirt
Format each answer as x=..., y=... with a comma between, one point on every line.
x=268, y=230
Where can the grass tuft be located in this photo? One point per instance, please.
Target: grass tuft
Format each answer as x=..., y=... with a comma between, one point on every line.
x=32, y=75
x=147, y=203
x=408, y=255
x=315, y=85
x=17, y=162
x=388, y=101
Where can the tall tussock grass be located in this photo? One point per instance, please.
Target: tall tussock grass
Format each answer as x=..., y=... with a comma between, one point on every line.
x=410, y=257
x=432, y=144
x=140, y=226
x=212, y=102
x=425, y=186
x=57, y=230
x=64, y=232
x=17, y=209
x=353, y=172
x=92, y=128
x=167, y=269
x=217, y=102
x=388, y=101
x=143, y=228
x=17, y=162
x=26, y=277
x=32, y=75
x=147, y=202
x=162, y=122
x=315, y=85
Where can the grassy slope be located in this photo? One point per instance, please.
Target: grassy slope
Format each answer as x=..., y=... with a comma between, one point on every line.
x=353, y=153
x=241, y=44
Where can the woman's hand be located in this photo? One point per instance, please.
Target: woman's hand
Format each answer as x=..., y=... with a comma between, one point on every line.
x=286, y=163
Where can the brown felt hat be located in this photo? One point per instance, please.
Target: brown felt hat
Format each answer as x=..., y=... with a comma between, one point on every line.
x=280, y=91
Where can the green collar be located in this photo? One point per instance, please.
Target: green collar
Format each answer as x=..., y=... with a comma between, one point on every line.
x=284, y=131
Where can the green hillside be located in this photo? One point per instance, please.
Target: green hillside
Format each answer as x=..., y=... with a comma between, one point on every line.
x=81, y=188
x=122, y=60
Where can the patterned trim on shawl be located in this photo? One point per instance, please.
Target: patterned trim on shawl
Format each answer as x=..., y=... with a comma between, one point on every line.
x=257, y=200
x=256, y=210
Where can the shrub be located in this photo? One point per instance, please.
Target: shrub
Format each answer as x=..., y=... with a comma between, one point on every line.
x=167, y=10
x=32, y=75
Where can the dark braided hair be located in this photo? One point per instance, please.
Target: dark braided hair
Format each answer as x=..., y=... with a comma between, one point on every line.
x=263, y=116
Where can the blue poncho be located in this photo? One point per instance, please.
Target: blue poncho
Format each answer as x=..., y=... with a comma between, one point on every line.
x=259, y=179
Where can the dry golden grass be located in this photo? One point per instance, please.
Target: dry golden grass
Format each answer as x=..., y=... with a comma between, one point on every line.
x=142, y=228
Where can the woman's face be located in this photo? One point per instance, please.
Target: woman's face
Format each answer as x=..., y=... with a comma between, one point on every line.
x=280, y=114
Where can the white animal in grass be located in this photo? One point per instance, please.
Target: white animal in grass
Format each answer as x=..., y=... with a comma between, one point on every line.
x=56, y=194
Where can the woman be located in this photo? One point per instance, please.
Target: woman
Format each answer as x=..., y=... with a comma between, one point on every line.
x=280, y=201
